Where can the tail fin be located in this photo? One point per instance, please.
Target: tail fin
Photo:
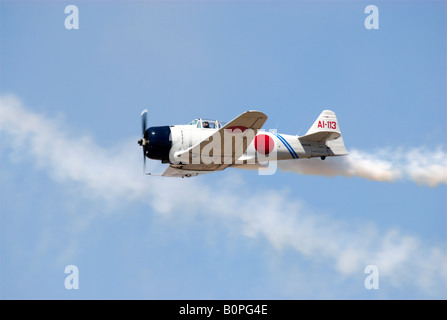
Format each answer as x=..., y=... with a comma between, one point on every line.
x=326, y=130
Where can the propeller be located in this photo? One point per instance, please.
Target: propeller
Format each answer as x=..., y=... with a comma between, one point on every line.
x=143, y=121
x=143, y=142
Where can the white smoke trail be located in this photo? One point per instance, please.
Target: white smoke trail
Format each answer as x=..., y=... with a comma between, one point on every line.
x=115, y=175
x=426, y=167
x=77, y=159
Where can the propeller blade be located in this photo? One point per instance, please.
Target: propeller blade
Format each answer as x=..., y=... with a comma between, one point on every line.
x=143, y=122
x=144, y=162
x=142, y=142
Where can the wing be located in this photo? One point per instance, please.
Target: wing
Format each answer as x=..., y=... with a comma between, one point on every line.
x=180, y=173
x=226, y=145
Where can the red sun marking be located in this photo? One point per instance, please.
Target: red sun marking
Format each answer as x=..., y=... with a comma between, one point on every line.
x=264, y=144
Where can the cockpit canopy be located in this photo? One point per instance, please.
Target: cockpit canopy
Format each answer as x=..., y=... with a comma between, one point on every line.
x=207, y=124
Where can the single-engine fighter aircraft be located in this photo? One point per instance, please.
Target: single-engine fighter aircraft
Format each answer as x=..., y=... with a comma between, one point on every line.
x=205, y=146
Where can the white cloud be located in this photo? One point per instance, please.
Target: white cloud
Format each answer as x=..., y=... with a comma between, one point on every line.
x=284, y=221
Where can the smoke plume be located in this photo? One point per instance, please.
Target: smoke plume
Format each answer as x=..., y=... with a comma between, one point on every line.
x=425, y=167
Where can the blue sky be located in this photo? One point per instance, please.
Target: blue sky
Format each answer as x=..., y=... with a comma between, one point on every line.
x=71, y=188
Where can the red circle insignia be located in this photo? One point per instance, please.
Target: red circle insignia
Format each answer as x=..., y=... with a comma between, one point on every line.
x=264, y=144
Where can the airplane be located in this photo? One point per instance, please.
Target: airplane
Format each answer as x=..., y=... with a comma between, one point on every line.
x=205, y=145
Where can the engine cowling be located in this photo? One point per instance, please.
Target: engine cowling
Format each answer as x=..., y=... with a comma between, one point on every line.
x=158, y=143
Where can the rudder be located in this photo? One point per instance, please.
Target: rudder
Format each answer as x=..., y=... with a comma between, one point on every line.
x=325, y=130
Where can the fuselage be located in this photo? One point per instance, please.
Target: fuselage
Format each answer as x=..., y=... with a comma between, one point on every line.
x=166, y=141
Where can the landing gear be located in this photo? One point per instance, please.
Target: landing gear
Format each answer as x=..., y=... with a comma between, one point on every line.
x=323, y=157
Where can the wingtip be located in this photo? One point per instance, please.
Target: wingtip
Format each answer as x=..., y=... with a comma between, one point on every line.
x=256, y=111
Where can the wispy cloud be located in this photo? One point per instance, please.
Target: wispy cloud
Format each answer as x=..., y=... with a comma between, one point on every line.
x=284, y=221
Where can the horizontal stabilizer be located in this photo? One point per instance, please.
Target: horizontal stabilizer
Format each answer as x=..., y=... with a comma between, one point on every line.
x=321, y=136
